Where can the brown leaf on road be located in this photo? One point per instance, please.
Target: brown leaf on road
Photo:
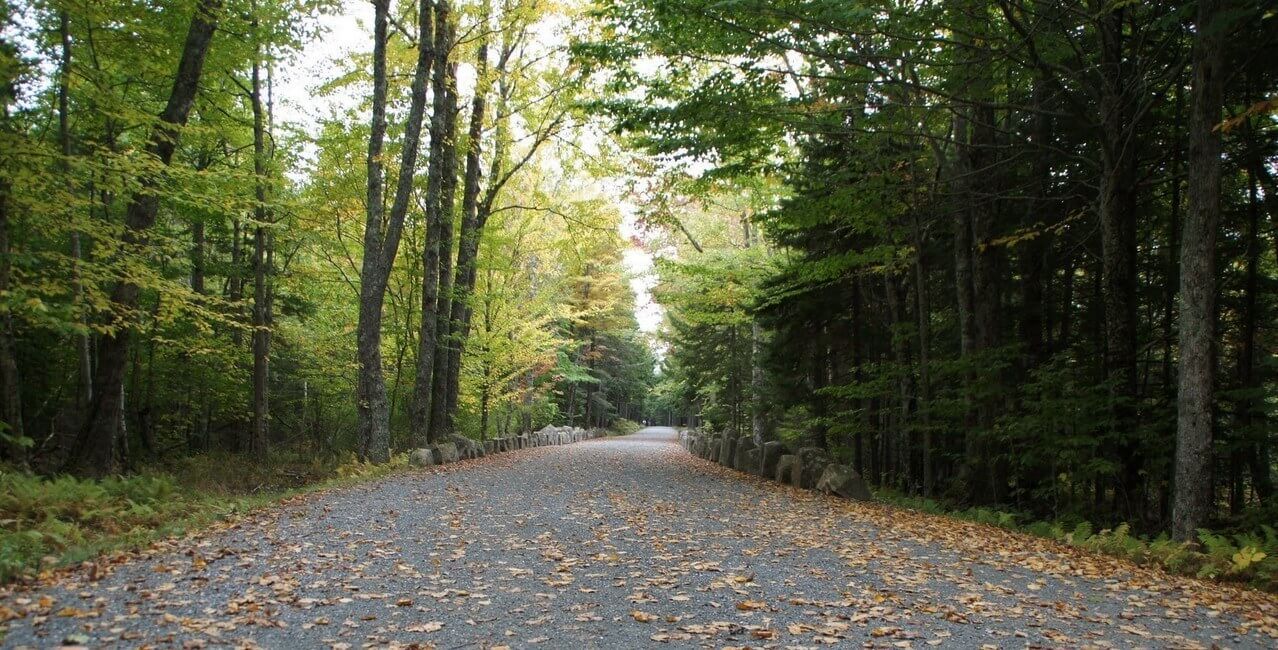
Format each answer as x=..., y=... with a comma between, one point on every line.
x=433, y=626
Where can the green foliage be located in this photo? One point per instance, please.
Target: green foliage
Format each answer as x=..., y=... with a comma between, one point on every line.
x=66, y=519
x=46, y=522
x=947, y=302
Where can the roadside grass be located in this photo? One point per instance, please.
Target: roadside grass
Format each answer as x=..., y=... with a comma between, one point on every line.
x=49, y=522
x=1248, y=555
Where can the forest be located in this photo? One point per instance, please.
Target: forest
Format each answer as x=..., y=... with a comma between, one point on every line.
x=1012, y=254
x=194, y=286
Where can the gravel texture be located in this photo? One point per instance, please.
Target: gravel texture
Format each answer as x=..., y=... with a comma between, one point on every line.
x=620, y=543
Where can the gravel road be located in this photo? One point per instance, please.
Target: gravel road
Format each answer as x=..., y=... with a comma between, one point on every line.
x=621, y=543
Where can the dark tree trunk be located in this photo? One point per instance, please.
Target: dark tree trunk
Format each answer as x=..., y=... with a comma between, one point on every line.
x=427, y=340
x=1193, y=501
x=97, y=446
x=374, y=434
x=382, y=233
x=1117, y=209
x=84, y=378
x=924, y=314
x=1173, y=245
x=467, y=243
x=443, y=332
x=1033, y=256
x=973, y=469
x=990, y=484
x=1254, y=422
x=260, y=429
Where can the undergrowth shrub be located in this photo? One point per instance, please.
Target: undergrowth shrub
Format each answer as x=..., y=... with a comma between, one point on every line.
x=46, y=521
x=70, y=518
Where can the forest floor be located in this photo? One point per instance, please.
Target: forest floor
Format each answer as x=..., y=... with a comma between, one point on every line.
x=619, y=542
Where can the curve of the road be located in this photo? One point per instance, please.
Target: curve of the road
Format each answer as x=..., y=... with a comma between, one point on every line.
x=621, y=543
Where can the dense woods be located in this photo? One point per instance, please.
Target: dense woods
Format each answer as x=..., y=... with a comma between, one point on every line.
x=184, y=272
x=1011, y=254
x=1015, y=254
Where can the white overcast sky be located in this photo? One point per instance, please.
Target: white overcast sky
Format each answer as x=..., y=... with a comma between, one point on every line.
x=349, y=33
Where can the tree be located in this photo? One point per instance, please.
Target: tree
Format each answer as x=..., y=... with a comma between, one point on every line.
x=1195, y=397
x=96, y=450
x=382, y=232
x=975, y=288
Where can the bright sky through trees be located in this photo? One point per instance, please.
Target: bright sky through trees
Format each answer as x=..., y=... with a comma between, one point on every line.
x=346, y=34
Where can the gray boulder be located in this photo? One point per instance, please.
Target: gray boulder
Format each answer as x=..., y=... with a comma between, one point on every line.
x=714, y=444
x=727, y=449
x=752, y=461
x=445, y=452
x=788, y=469
x=813, y=461
x=769, y=454
x=421, y=458
x=744, y=446
x=467, y=448
x=843, y=481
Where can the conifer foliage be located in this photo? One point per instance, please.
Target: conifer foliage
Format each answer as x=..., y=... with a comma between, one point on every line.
x=1021, y=253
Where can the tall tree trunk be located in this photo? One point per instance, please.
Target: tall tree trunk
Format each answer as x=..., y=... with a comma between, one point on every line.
x=96, y=449
x=428, y=330
x=893, y=289
x=84, y=378
x=443, y=313
x=468, y=237
x=990, y=484
x=259, y=431
x=924, y=313
x=1254, y=419
x=1034, y=252
x=371, y=405
x=382, y=232
x=1193, y=500
x=972, y=469
x=1117, y=208
x=198, y=436
x=1173, y=243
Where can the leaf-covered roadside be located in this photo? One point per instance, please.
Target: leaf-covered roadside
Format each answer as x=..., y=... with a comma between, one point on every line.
x=1247, y=557
x=46, y=523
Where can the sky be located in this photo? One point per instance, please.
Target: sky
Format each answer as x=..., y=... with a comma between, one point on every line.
x=348, y=33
